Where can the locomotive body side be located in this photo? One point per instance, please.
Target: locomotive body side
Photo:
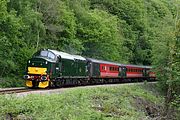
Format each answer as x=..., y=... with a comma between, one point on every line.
x=53, y=68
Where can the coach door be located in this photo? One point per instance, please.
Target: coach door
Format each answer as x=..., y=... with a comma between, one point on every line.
x=144, y=73
x=122, y=71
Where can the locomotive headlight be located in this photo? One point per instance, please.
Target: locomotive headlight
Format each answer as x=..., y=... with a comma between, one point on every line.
x=26, y=77
x=29, y=61
x=43, y=78
x=46, y=62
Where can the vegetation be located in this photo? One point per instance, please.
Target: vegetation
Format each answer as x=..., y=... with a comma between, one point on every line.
x=103, y=103
x=127, y=31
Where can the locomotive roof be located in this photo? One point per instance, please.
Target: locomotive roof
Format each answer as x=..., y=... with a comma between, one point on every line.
x=78, y=57
x=114, y=63
x=67, y=55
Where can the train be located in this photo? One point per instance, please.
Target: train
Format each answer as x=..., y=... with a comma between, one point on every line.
x=52, y=68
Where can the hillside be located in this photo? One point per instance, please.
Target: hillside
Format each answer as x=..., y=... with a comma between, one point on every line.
x=98, y=103
x=126, y=31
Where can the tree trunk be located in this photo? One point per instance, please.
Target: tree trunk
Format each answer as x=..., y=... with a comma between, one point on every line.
x=168, y=100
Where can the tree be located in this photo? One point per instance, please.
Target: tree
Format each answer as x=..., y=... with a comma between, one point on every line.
x=173, y=91
x=166, y=57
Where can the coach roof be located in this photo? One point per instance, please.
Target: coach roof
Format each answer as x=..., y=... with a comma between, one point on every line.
x=114, y=63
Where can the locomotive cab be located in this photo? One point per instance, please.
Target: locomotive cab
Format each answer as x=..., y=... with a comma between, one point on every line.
x=41, y=68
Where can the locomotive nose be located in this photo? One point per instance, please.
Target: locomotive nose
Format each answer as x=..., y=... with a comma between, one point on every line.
x=37, y=73
x=37, y=70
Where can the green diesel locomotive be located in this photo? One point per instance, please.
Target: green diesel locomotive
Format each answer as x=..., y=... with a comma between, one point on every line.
x=54, y=68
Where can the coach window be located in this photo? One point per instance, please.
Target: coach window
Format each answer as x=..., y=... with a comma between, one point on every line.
x=102, y=67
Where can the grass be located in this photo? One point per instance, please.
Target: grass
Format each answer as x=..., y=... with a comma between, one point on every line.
x=101, y=103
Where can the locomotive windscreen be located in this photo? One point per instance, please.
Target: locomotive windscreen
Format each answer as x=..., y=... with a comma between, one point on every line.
x=45, y=53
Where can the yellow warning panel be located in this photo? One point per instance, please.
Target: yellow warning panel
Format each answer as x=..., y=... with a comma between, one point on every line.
x=37, y=70
x=29, y=83
x=43, y=84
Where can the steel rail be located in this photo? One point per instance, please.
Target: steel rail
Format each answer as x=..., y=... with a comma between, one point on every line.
x=12, y=91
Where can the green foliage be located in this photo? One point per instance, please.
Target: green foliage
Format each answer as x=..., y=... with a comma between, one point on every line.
x=126, y=31
x=11, y=82
x=79, y=103
x=166, y=54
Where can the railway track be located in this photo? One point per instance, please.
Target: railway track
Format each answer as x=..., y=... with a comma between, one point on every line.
x=26, y=90
x=12, y=91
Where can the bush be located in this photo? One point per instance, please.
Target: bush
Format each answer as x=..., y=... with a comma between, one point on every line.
x=11, y=82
